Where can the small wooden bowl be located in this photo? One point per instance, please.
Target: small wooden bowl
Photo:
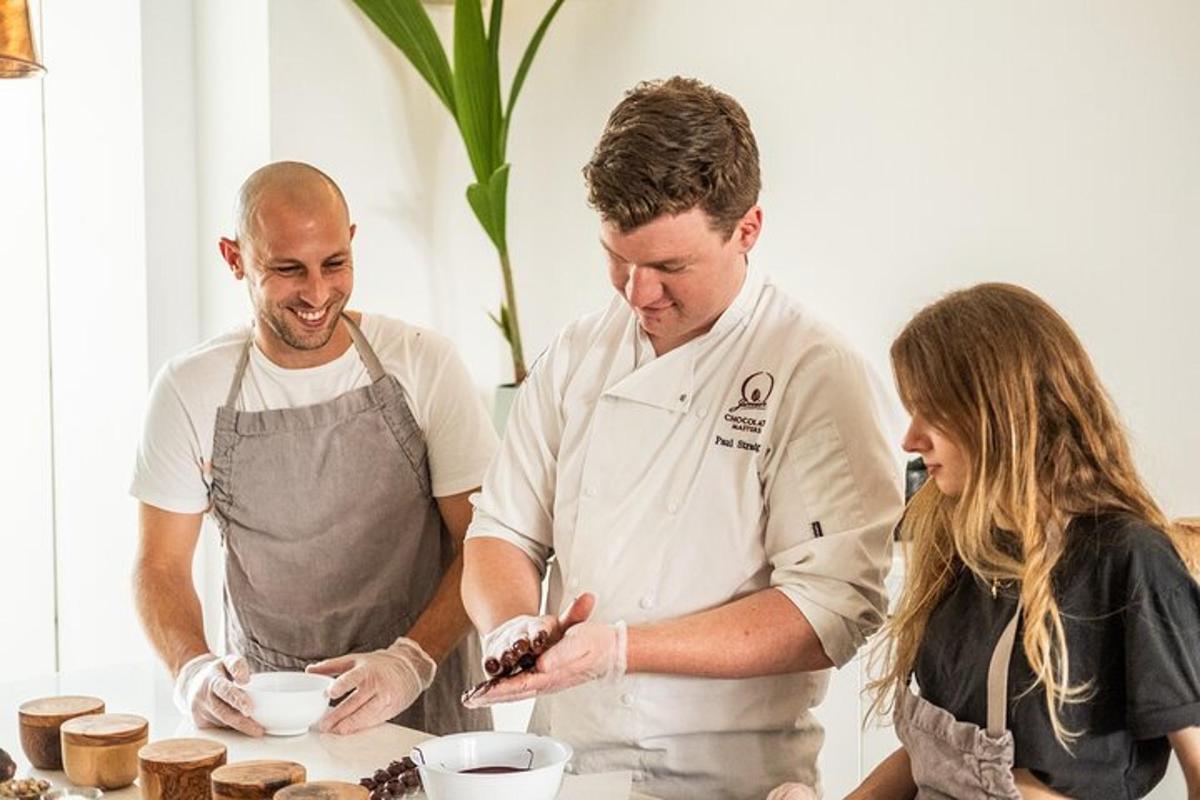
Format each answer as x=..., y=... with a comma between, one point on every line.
x=179, y=769
x=40, y=722
x=323, y=790
x=102, y=749
x=255, y=780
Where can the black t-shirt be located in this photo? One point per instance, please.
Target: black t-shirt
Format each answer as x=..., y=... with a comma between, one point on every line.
x=1132, y=617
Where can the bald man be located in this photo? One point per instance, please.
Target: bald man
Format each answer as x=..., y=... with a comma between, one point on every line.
x=335, y=450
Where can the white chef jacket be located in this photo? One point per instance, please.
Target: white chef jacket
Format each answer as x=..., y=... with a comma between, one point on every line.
x=753, y=456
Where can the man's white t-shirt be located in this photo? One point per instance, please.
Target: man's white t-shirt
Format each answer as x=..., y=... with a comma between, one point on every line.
x=177, y=436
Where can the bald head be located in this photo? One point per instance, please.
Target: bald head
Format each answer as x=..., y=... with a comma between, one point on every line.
x=289, y=184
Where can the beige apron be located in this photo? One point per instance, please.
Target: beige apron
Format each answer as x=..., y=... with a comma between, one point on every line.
x=955, y=760
x=334, y=543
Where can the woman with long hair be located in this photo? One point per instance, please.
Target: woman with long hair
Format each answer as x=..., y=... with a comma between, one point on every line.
x=1050, y=618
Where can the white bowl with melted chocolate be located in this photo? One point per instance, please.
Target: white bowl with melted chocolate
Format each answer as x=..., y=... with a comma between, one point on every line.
x=492, y=764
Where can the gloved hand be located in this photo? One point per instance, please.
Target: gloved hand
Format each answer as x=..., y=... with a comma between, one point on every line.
x=383, y=682
x=528, y=627
x=206, y=690
x=588, y=651
x=792, y=791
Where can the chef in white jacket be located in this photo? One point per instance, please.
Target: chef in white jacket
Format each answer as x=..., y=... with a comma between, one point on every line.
x=707, y=464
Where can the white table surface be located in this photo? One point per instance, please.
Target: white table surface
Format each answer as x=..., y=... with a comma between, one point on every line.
x=146, y=691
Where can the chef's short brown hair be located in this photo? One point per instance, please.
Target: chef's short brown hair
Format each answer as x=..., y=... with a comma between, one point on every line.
x=670, y=146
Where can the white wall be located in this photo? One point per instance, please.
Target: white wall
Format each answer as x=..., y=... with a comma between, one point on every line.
x=170, y=136
x=26, y=474
x=96, y=222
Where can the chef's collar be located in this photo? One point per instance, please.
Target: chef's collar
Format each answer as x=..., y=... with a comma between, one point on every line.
x=743, y=302
x=668, y=381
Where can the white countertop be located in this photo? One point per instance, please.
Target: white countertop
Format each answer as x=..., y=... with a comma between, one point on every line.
x=146, y=691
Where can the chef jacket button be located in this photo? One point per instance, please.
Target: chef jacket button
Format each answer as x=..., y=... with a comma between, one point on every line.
x=638, y=775
x=590, y=491
x=672, y=507
x=574, y=583
x=646, y=602
x=627, y=699
x=683, y=398
x=701, y=412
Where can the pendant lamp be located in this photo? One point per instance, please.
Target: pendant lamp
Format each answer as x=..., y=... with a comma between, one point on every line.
x=18, y=51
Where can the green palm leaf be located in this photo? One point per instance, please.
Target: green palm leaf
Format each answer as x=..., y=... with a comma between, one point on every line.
x=407, y=25
x=476, y=88
x=489, y=201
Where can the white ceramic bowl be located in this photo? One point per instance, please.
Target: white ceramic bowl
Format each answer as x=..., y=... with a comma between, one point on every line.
x=287, y=703
x=442, y=760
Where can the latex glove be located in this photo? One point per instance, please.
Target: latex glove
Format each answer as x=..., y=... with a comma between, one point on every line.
x=207, y=691
x=792, y=791
x=588, y=651
x=527, y=627
x=380, y=684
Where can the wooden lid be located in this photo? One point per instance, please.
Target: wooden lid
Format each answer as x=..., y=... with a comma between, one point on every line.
x=50, y=712
x=323, y=790
x=175, y=754
x=105, y=729
x=256, y=778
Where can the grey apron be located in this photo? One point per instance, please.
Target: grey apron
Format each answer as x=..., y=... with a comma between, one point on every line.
x=334, y=543
x=955, y=760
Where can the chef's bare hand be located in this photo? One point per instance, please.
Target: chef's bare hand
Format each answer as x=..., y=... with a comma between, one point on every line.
x=587, y=651
x=792, y=791
x=208, y=690
x=379, y=685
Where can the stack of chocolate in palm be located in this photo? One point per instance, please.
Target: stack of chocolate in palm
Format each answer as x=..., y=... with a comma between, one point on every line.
x=522, y=656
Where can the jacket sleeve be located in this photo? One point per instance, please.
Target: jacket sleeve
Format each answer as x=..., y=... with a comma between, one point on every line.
x=834, y=497
x=516, y=501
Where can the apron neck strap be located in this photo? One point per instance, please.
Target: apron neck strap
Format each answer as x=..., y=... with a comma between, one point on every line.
x=235, y=386
x=365, y=352
x=997, y=682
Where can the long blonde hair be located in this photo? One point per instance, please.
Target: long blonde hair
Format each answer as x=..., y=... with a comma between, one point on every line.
x=999, y=372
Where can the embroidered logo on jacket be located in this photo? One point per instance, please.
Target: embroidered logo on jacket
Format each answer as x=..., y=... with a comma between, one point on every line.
x=756, y=389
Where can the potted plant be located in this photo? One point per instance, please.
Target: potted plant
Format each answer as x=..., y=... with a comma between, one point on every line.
x=470, y=91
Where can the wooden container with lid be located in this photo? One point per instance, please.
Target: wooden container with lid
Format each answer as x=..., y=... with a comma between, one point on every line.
x=255, y=780
x=40, y=722
x=323, y=790
x=179, y=769
x=101, y=749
